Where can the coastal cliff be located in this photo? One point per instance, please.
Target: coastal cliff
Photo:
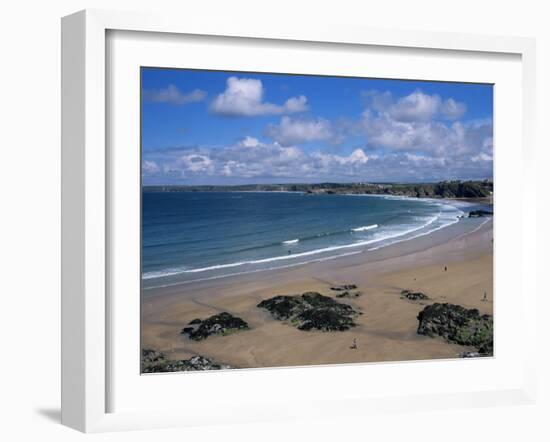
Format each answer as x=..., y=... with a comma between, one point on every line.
x=444, y=189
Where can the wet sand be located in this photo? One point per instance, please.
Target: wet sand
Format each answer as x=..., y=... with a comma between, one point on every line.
x=386, y=331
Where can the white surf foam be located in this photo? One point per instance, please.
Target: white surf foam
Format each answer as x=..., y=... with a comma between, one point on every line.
x=291, y=241
x=172, y=271
x=452, y=219
x=209, y=278
x=296, y=256
x=364, y=228
x=448, y=218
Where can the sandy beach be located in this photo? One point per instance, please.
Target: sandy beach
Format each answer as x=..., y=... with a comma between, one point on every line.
x=386, y=330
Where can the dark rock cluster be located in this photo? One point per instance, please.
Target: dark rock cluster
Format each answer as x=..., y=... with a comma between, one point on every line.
x=479, y=213
x=340, y=288
x=156, y=362
x=459, y=325
x=221, y=324
x=347, y=294
x=413, y=296
x=346, y=291
x=311, y=310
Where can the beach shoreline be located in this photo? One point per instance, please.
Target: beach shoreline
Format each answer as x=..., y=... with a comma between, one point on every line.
x=190, y=271
x=453, y=265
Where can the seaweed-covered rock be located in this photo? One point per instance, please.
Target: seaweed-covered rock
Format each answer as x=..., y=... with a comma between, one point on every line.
x=479, y=213
x=325, y=319
x=347, y=294
x=339, y=288
x=459, y=325
x=282, y=307
x=311, y=310
x=195, y=321
x=151, y=356
x=221, y=324
x=157, y=362
x=413, y=296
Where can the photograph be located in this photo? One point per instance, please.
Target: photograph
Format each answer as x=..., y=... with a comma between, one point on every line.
x=295, y=220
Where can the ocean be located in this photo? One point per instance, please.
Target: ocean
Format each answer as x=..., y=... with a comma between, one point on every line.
x=190, y=236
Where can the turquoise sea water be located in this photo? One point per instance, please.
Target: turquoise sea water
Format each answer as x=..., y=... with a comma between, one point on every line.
x=189, y=236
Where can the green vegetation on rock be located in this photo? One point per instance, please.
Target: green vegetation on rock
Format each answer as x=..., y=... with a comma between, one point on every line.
x=157, y=362
x=459, y=325
x=311, y=310
x=444, y=189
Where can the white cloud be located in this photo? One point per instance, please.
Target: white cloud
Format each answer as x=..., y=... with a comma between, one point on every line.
x=407, y=139
x=172, y=95
x=195, y=163
x=391, y=128
x=244, y=97
x=296, y=131
x=358, y=156
x=482, y=157
x=452, y=110
x=150, y=168
x=251, y=159
x=331, y=163
x=415, y=107
x=249, y=142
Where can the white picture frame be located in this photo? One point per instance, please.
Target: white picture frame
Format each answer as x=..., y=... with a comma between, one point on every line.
x=86, y=206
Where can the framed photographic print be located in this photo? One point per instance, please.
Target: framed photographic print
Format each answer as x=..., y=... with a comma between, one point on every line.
x=280, y=232
x=258, y=212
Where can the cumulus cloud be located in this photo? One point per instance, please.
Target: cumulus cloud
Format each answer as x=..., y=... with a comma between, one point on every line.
x=418, y=137
x=249, y=141
x=172, y=95
x=250, y=160
x=194, y=163
x=414, y=107
x=383, y=131
x=253, y=161
x=482, y=157
x=410, y=125
x=150, y=168
x=344, y=165
x=296, y=131
x=452, y=110
x=244, y=97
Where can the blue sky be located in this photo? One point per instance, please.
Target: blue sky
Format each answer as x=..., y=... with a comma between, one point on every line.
x=214, y=127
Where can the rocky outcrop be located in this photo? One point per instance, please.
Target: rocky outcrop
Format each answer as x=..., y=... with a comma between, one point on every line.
x=156, y=362
x=221, y=324
x=479, y=213
x=459, y=325
x=311, y=310
x=340, y=288
x=347, y=294
x=444, y=189
x=413, y=296
x=346, y=291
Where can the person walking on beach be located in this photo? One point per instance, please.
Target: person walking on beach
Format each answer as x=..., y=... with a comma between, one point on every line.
x=354, y=345
x=484, y=296
x=445, y=268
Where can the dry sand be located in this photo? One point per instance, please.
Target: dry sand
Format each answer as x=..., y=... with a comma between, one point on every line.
x=386, y=330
